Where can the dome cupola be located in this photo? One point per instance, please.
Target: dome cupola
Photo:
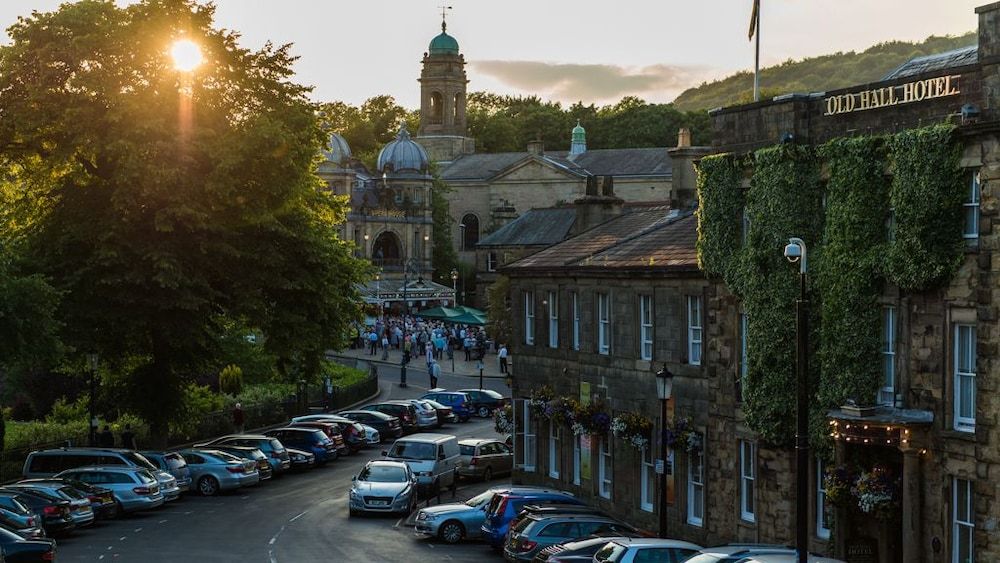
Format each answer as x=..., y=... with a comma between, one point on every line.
x=403, y=155
x=337, y=150
x=579, y=142
x=443, y=44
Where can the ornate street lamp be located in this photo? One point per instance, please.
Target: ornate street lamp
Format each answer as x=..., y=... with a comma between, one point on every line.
x=664, y=391
x=454, y=282
x=795, y=251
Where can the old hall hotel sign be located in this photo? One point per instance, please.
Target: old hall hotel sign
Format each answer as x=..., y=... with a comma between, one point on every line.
x=910, y=92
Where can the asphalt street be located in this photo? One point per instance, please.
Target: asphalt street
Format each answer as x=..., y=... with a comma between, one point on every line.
x=295, y=518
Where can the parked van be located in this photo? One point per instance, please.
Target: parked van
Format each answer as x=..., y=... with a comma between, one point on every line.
x=433, y=458
x=46, y=463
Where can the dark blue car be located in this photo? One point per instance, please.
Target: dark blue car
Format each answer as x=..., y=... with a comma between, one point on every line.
x=459, y=402
x=308, y=439
x=505, y=505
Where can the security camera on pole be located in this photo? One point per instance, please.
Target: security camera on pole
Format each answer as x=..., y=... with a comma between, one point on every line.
x=795, y=251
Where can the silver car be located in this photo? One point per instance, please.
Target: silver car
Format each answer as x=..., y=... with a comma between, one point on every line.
x=455, y=521
x=483, y=459
x=134, y=488
x=213, y=471
x=426, y=415
x=383, y=486
x=372, y=436
x=81, y=511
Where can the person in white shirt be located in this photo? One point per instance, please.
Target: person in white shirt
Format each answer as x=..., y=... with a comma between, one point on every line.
x=502, y=356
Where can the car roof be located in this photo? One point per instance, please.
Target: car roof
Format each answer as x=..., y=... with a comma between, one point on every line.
x=363, y=411
x=475, y=441
x=385, y=462
x=112, y=468
x=733, y=548
x=244, y=437
x=572, y=517
x=655, y=542
x=788, y=558
x=528, y=490
x=427, y=437
x=292, y=429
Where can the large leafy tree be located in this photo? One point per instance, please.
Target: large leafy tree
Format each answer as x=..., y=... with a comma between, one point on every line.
x=162, y=201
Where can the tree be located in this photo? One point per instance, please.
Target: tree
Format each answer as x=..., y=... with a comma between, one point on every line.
x=162, y=202
x=501, y=323
x=444, y=259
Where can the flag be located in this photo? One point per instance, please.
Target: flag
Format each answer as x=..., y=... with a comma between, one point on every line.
x=753, y=19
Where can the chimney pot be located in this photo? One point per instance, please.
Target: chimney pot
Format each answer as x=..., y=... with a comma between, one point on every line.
x=536, y=147
x=684, y=137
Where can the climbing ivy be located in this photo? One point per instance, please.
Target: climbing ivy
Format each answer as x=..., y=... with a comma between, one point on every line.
x=927, y=195
x=720, y=206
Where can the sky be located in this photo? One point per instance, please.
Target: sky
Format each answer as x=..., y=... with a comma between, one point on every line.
x=595, y=51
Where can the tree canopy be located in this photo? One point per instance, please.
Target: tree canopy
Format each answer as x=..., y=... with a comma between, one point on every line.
x=159, y=203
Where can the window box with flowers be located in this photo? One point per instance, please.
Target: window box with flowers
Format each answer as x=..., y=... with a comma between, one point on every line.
x=633, y=428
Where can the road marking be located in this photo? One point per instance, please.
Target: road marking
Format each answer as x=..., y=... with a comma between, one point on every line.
x=164, y=521
x=101, y=557
x=297, y=516
x=121, y=539
x=137, y=530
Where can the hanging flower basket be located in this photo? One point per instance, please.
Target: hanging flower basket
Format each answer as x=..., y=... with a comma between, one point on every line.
x=877, y=492
x=634, y=428
x=837, y=483
x=503, y=420
x=591, y=419
x=681, y=435
x=539, y=399
x=561, y=410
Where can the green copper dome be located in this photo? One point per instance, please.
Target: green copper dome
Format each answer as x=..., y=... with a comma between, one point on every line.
x=579, y=133
x=443, y=44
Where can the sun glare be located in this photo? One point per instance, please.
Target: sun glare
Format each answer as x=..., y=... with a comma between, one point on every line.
x=186, y=55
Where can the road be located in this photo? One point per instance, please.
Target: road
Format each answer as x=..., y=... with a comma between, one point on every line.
x=294, y=518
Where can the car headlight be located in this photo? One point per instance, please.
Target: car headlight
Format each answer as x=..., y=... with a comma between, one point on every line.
x=354, y=494
x=423, y=473
x=298, y=457
x=426, y=517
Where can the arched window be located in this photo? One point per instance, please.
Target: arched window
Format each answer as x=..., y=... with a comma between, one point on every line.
x=437, y=107
x=386, y=251
x=470, y=231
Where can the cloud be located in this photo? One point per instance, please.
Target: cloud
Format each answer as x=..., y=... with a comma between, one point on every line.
x=570, y=82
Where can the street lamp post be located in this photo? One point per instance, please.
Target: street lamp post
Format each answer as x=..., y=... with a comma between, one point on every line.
x=795, y=251
x=664, y=390
x=92, y=364
x=454, y=281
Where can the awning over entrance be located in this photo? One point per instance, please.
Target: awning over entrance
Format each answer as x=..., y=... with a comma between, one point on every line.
x=390, y=291
x=877, y=426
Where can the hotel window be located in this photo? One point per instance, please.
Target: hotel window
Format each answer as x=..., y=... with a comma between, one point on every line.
x=576, y=321
x=971, y=228
x=748, y=457
x=576, y=459
x=963, y=525
x=646, y=327
x=605, y=471
x=553, y=319
x=529, y=318
x=696, y=488
x=491, y=262
x=554, y=450
x=965, y=377
x=647, y=481
x=887, y=395
x=603, y=323
x=528, y=445
x=744, y=358
x=694, y=330
x=822, y=520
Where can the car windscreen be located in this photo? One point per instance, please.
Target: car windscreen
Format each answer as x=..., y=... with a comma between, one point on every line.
x=276, y=445
x=611, y=553
x=522, y=524
x=382, y=474
x=404, y=449
x=139, y=460
x=174, y=461
x=480, y=499
x=492, y=394
x=72, y=493
x=145, y=477
x=466, y=450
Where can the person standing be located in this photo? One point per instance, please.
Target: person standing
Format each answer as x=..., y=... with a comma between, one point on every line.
x=238, y=418
x=373, y=342
x=128, y=438
x=429, y=353
x=106, y=439
x=434, y=370
x=502, y=356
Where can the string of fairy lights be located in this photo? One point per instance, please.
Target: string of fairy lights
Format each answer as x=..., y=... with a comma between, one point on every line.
x=870, y=434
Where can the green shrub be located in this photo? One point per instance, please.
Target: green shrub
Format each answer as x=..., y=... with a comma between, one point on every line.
x=341, y=375
x=231, y=379
x=64, y=412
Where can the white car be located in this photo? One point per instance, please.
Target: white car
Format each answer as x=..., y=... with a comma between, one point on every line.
x=631, y=550
x=761, y=553
x=371, y=435
x=788, y=558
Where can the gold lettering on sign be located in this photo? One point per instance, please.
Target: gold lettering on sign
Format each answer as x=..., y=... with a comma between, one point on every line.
x=916, y=91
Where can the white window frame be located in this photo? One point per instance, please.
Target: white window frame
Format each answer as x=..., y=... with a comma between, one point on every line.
x=553, y=319
x=646, y=327
x=647, y=480
x=887, y=394
x=605, y=468
x=528, y=437
x=744, y=321
x=694, y=310
x=970, y=228
x=529, y=318
x=748, y=464
x=576, y=321
x=822, y=528
x=554, y=450
x=962, y=518
x=491, y=261
x=696, y=483
x=604, y=323
x=576, y=460
x=964, y=352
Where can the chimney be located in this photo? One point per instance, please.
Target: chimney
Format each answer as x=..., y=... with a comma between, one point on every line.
x=600, y=204
x=536, y=147
x=683, y=138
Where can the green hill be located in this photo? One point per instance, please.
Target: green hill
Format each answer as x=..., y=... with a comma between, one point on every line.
x=817, y=74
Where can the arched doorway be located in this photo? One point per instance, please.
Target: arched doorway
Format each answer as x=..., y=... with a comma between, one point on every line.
x=437, y=107
x=470, y=231
x=386, y=251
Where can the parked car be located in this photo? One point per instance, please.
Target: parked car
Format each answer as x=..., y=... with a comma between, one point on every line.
x=738, y=552
x=482, y=459
x=433, y=458
x=16, y=516
x=383, y=486
x=174, y=464
x=543, y=510
x=406, y=413
x=21, y=550
x=635, y=550
x=460, y=403
x=788, y=558
x=455, y=521
x=505, y=506
x=301, y=459
x=134, y=489
x=354, y=433
x=535, y=532
x=444, y=412
x=331, y=429
x=426, y=415
x=46, y=463
x=102, y=500
x=54, y=511
x=214, y=471
x=484, y=401
x=251, y=453
x=79, y=504
x=277, y=455
x=309, y=439
x=579, y=550
x=372, y=436
x=388, y=426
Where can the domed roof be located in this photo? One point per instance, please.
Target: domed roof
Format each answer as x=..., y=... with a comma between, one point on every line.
x=579, y=133
x=337, y=150
x=443, y=44
x=403, y=154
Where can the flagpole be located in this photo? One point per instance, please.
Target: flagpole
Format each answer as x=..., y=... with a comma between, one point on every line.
x=756, y=59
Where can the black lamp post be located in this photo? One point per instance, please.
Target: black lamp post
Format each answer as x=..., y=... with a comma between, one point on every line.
x=795, y=251
x=664, y=390
x=454, y=284
x=92, y=422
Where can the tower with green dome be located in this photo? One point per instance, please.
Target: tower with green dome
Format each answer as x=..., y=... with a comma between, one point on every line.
x=442, y=99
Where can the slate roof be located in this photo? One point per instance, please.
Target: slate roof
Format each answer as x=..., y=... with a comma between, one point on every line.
x=645, y=239
x=537, y=227
x=601, y=162
x=940, y=61
x=480, y=166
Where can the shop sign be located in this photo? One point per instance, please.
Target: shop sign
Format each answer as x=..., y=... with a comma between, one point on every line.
x=916, y=91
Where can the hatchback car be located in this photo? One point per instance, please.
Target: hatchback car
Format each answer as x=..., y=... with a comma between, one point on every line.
x=301, y=459
x=579, y=550
x=737, y=552
x=636, y=550
x=459, y=402
x=102, y=500
x=332, y=430
x=536, y=532
x=214, y=471
x=79, y=504
x=383, y=486
x=788, y=558
x=21, y=550
x=134, y=489
x=426, y=416
x=309, y=439
x=505, y=506
x=482, y=459
x=174, y=464
x=388, y=426
x=54, y=511
x=406, y=413
x=444, y=412
x=353, y=432
x=455, y=521
x=484, y=401
x=253, y=454
x=16, y=516
x=276, y=453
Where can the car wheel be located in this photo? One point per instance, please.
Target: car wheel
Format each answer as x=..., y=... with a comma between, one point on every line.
x=452, y=531
x=483, y=411
x=488, y=474
x=208, y=486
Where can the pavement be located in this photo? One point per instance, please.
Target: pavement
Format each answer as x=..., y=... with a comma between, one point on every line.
x=458, y=366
